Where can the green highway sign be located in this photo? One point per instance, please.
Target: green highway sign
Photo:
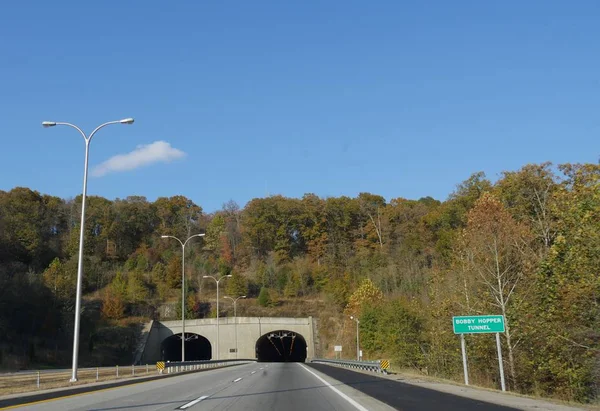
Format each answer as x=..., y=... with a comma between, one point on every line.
x=475, y=324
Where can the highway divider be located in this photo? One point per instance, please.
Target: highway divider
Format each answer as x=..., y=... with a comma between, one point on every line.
x=167, y=367
x=380, y=366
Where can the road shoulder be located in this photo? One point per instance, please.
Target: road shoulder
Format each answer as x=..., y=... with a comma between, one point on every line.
x=370, y=403
x=483, y=394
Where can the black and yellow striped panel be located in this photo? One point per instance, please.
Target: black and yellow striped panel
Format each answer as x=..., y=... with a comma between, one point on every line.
x=384, y=364
x=160, y=365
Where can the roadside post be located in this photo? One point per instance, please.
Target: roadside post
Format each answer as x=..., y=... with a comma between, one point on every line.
x=464, y=357
x=480, y=324
x=338, y=351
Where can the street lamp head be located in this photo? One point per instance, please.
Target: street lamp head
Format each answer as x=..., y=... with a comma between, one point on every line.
x=243, y=296
x=164, y=236
x=205, y=276
x=229, y=275
x=48, y=123
x=200, y=235
x=127, y=121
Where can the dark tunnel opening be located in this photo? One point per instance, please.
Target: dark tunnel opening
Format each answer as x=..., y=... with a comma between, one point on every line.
x=197, y=348
x=281, y=346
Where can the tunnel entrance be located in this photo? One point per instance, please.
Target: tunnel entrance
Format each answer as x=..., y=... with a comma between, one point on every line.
x=281, y=346
x=197, y=348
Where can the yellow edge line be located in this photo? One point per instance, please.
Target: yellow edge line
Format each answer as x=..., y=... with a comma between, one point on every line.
x=73, y=395
x=89, y=392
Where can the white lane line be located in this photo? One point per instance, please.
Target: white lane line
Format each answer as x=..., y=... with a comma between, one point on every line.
x=262, y=368
x=192, y=403
x=338, y=392
x=237, y=379
x=253, y=372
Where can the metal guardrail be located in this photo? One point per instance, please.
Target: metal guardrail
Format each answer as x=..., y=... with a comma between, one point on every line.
x=170, y=367
x=30, y=380
x=375, y=366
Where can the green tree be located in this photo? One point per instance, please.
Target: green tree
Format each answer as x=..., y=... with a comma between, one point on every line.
x=31, y=222
x=236, y=285
x=190, y=305
x=137, y=290
x=178, y=216
x=60, y=281
x=118, y=286
x=564, y=359
x=393, y=330
x=264, y=298
x=159, y=273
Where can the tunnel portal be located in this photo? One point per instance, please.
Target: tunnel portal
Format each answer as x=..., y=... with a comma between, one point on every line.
x=281, y=346
x=197, y=348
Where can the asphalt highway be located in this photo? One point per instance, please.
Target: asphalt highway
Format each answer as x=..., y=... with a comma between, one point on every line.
x=266, y=386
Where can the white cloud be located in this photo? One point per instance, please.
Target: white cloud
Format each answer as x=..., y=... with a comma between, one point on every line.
x=143, y=155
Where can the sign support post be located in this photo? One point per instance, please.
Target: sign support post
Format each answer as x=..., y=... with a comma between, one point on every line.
x=464, y=355
x=479, y=324
x=338, y=351
x=502, y=383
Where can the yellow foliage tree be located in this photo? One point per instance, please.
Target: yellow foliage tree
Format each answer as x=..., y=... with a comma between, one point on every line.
x=366, y=292
x=112, y=305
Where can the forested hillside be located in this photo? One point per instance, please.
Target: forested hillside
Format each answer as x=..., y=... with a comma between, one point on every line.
x=526, y=246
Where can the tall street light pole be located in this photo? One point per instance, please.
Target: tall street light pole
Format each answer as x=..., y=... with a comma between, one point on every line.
x=357, y=341
x=235, y=320
x=182, y=288
x=87, y=140
x=217, y=281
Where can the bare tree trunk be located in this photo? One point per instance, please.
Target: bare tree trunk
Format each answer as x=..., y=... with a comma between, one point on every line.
x=503, y=301
x=511, y=357
x=377, y=227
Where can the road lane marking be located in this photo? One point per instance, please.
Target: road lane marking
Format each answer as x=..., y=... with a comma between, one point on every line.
x=192, y=403
x=338, y=392
x=253, y=372
x=79, y=394
x=237, y=379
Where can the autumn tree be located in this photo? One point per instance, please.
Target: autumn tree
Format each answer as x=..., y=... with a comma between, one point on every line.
x=113, y=306
x=372, y=207
x=313, y=226
x=529, y=195
x=366, y=292
x=233, y=230
x=495, y=247
x=173, y=272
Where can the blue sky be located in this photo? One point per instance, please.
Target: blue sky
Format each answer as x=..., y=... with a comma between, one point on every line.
x=401, y=99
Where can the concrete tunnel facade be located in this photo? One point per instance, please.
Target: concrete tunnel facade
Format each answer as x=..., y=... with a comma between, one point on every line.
x=257, y=338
